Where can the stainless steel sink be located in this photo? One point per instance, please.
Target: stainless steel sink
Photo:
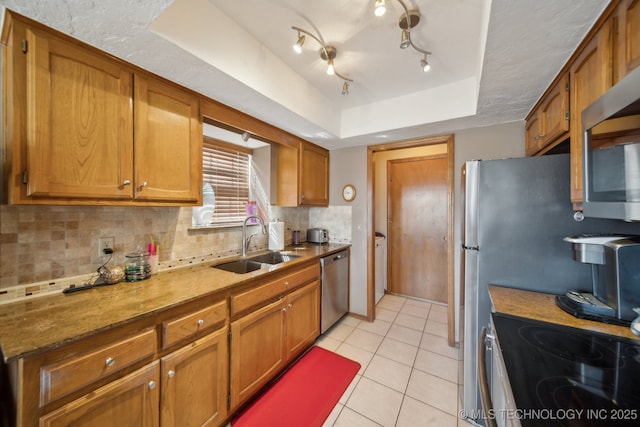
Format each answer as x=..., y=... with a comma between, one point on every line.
x=240, y=266
x=273, y=258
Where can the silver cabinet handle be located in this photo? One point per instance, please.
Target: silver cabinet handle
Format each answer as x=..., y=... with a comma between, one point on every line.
x=200, y=323
x=144, y=184
x=171, y=373
x=290, y=305
x=110, y=361
x=126, y=182
x=152, y=385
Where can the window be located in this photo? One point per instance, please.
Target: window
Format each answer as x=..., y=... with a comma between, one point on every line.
x=227, y=168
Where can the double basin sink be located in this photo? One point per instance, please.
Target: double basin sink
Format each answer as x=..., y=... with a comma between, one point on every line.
x=247, y=265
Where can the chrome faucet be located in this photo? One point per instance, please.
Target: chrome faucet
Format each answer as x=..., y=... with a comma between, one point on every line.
x=246, y=240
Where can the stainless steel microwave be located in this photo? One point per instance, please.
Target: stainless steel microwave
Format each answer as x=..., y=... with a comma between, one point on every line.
x=611, y=152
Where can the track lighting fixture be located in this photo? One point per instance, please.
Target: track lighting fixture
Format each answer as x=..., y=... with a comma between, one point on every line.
x=327, y=53
x=408, y=20
x=246, y=136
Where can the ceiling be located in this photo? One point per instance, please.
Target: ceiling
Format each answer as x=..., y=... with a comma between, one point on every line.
x=491, y=60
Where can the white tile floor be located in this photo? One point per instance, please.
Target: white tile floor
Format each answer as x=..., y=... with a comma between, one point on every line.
x=409, y=374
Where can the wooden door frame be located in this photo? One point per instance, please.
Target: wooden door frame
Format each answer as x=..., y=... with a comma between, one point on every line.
x=449, y=140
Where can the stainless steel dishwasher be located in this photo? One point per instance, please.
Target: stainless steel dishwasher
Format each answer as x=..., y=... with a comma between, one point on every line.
x=335, y=288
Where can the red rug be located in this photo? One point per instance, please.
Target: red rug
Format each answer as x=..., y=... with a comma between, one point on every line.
x=305, y=395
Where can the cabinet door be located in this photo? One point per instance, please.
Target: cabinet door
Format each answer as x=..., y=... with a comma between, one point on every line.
x=533, y=134
x=257, y=351
x=302, y=318
x=194, y=383
x=590, y=77
x=554, y=112
x=129, y=401
x=313, y=175
x=168, y=143
x=627, y=38
x=79, y=122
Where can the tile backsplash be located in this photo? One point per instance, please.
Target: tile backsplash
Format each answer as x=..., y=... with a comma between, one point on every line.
x=42, y=247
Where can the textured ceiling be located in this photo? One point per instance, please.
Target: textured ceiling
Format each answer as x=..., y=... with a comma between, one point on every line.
x=491, y=59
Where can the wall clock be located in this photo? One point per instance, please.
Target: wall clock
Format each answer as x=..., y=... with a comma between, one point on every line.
x=349, y=192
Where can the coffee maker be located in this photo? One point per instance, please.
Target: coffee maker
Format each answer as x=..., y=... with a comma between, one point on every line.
x=615, y=272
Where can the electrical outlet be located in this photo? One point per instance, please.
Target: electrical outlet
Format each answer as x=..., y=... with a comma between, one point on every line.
x=104, y=243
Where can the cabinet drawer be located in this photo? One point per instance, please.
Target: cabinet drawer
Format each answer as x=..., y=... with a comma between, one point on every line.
x=273, y=290
x=181, y=328
x=59, y=379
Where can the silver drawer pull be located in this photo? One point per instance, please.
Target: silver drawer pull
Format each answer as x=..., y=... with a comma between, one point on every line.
x=171, y=373
x=110, y=361
x=144, y=184
x=200, y=323
x=126, y=182
x=152, y=385
x=290, y=305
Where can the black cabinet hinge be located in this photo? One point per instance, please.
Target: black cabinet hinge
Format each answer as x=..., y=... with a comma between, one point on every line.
x=25, y=177
x=25, y=46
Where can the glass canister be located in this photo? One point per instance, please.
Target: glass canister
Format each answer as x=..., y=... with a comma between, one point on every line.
x=137, y=266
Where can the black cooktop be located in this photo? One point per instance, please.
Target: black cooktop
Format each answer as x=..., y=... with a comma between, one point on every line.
x=562, y=376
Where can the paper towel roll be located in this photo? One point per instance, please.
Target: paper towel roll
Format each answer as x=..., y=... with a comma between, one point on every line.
x=276, y=236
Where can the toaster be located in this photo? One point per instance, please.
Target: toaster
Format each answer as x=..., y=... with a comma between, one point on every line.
x=317, y=235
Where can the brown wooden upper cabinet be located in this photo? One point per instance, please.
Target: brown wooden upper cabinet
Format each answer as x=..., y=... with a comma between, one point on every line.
x=590, y=76
x=627, y=37
x=302, y=175
x=71, y=120
x=608, y=53
x=549, y=122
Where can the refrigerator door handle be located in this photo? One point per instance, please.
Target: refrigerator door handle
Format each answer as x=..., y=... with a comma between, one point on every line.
x=470, y=248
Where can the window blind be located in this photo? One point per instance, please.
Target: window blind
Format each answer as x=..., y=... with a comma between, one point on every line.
x=226, y=168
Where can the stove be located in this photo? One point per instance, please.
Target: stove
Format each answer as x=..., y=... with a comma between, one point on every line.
x=562, y=376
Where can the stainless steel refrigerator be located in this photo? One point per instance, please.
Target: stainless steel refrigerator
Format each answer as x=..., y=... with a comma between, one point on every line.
x=517, y=212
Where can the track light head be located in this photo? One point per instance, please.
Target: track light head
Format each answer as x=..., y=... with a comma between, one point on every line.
x=246, y=136
x=424, y=64
x=345, y=88
x=380, y=8
x=330, y=68
x=297, y=47
x=405, y=39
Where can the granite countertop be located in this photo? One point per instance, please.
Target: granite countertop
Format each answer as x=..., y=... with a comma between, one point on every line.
x=32, y=326
x=542, y=307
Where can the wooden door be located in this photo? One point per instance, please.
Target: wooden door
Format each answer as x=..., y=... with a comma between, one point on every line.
x=257, y=351
x=168, y=143
x=590, y=77
x=129, y=401
x=302, y=319
x=194, y=383
x=79, y=122
x=418, y=226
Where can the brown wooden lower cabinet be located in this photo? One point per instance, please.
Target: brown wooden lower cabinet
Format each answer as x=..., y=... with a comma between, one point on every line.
x=194, y=383
x=128, y=401
x=266, y=340
x=186, y=367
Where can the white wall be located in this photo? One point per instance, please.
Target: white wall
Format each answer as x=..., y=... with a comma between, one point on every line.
x=349, y=165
